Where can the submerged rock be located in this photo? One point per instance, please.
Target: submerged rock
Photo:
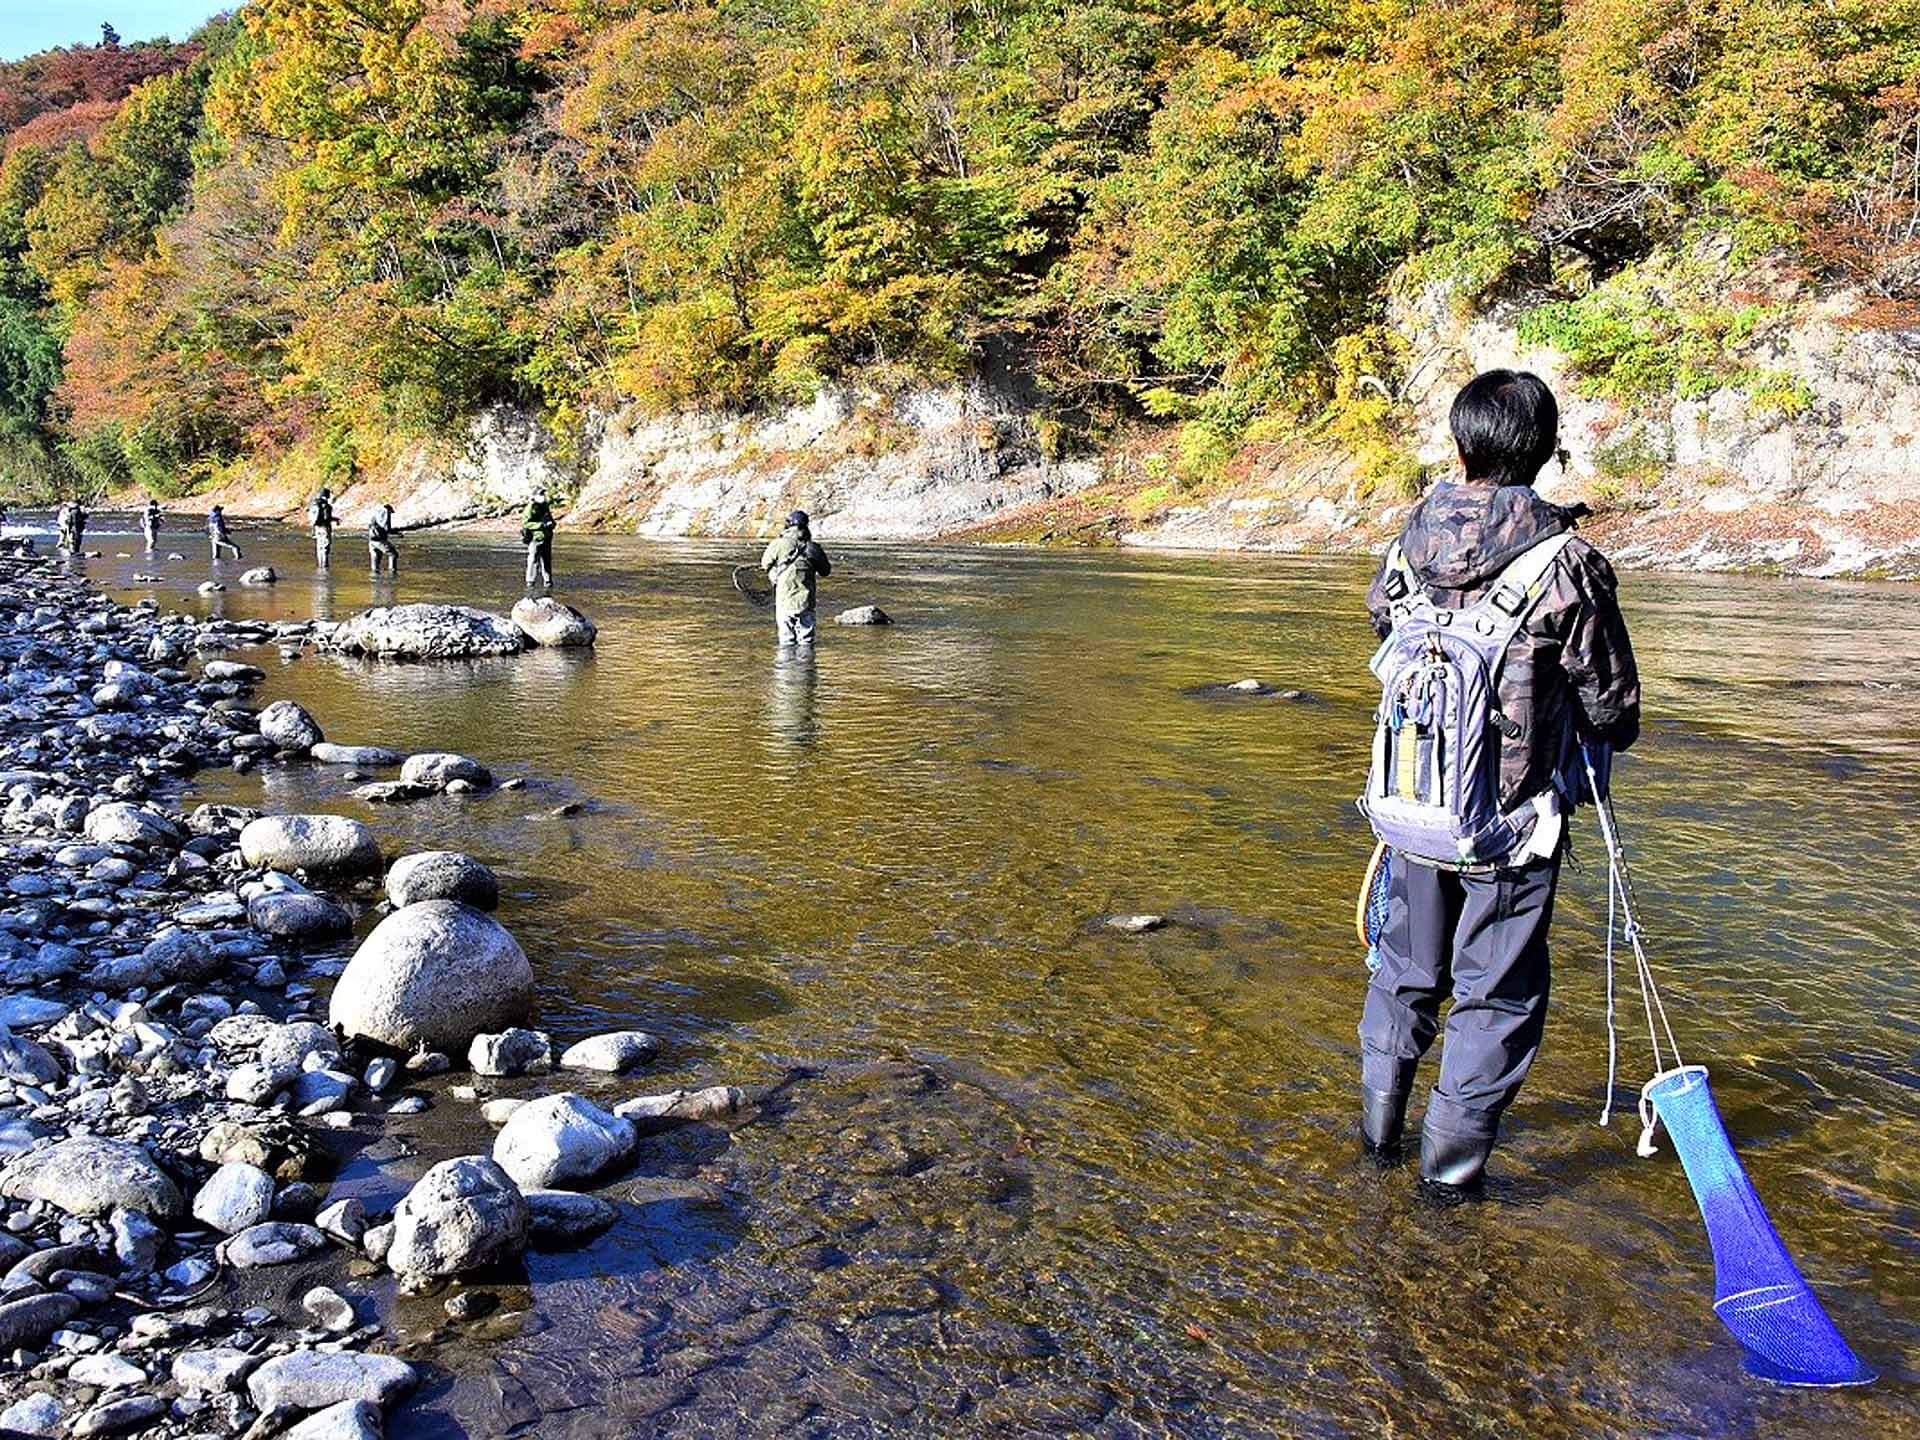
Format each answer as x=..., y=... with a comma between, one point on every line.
x=319, y=844
x=259, y=575
x=437, y=974
x=549, y=622
x=462, y=1215
x=426, y=632
x=371, y=757
x=561, y=1139
x=442, y=875
x=863, y=615
x=650, y=1113
x=560, y=1217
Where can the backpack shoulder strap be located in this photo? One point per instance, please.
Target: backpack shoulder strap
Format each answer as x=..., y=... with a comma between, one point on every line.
x=1403, y=589
x=1504, y=609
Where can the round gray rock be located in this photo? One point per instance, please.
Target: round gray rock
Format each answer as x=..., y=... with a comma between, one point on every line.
x=437, y=973
x=561, y=1139
x=461, y=1215
x=314, y=843
x=442, y=875
x=549, y=622
x=289, y=726
x=236, y=1197
x=86, y=1175
x=436, y=769
x=119, y=823
x=863, y=615
x=298, y=916
x=611, y=1054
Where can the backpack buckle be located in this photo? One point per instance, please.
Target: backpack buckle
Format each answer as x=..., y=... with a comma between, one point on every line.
x=1507, y=598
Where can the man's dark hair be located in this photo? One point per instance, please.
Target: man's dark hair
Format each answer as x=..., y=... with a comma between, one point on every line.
x=1507, y=426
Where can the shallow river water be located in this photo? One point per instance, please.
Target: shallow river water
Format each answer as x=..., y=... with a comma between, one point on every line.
x=1033, y=1176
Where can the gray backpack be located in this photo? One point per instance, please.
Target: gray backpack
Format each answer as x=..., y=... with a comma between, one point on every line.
x=1433, y=789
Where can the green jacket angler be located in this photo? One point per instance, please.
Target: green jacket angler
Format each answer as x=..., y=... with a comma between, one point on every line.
x=538, y=523
x=793, y=562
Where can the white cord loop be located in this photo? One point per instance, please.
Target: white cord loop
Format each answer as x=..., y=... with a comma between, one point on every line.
x=1620, y=910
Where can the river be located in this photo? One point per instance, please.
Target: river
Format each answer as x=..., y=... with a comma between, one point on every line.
x=1107, y=1184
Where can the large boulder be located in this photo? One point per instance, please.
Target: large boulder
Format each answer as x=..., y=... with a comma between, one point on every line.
x=298, y=916
x=290, y=727
x=119, y=823
x=462, y=1215
x=547, y=621
x=863, y=615
x=442, y=875
x=87, y=1175
x=259, y=575
x=318, y=844
x=436, y=769
x=434, y=974
x=426, y=632
x=560, y=1140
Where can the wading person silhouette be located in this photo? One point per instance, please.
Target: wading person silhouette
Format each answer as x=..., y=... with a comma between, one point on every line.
x=320, y=514
x=1504, y=642
x=795, y=561
x=219, y=540
x=150, y=524
x=536, y=533
x=380, y=546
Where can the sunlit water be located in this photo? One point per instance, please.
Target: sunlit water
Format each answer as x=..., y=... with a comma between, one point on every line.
x=1124, y=1197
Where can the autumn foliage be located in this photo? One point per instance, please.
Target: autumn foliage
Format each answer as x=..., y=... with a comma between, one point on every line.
x=341, y=223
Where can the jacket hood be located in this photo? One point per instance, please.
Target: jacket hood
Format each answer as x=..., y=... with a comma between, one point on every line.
x=1461, y=535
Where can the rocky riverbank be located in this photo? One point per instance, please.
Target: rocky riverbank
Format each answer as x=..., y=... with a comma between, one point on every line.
x=174, y=1090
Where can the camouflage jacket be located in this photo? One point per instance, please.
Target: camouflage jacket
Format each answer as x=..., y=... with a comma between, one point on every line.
x=1571, y=666
x=793, y=561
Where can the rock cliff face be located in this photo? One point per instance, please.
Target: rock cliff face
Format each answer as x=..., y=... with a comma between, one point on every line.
x=1719, y=482
x=928, y=463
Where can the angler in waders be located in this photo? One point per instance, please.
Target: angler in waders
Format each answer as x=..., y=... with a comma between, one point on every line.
x=320, y=514
x=150, y=524
x=1504, y=643
x=794, y=562
x=380, y=546
x=536, y=533
x=219, y=538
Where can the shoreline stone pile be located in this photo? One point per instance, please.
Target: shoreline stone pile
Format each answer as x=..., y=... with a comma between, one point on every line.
x=173, y=1066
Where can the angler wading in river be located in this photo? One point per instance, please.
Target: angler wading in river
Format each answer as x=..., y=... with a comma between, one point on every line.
x=219, y=538
x=320, y=515
x=150, y=524
x=1504, y=646
x=380, y=546
x=794, y=562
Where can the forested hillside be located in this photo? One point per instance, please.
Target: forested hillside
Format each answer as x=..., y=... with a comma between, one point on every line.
x=323, y=229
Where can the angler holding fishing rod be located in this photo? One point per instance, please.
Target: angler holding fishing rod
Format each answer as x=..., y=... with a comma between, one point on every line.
x=1503, y=644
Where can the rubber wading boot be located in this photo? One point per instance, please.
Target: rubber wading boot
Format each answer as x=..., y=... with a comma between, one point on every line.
x=1383, y=1122
x=1453, y=1166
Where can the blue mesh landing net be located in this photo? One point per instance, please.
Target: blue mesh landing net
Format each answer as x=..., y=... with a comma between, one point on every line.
x=1373, y=908
x=1759, y=1293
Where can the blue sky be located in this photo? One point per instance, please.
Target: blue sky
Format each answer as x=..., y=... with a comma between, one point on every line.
x=30, y=25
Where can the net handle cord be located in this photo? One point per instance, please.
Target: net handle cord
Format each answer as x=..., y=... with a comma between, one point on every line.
x=1620, y=908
